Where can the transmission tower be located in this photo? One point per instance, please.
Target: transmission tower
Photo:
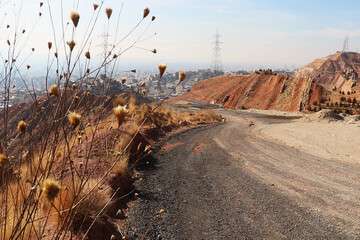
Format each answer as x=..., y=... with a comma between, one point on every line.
x=106, y=46
x=217, y=63
x=346, y=45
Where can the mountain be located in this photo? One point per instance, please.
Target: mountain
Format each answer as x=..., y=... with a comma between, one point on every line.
x=329, y=82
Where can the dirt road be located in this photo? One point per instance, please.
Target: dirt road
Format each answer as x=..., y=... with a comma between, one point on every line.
x=226, y=182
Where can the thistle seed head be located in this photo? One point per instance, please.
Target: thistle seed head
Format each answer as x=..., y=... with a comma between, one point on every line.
x=108, y=12
x=182, y=76
x=51, y=189
x=75, y=18
x=87, y=55
x=54, y=90
x=162, y=69
x=3, y=160
x=120, y=113
x=71, y=45
x=21, y=127
x=74, y=119
x=146, y=12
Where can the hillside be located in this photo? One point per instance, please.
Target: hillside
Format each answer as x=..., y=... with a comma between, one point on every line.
x=329, y=82
x=68, y=161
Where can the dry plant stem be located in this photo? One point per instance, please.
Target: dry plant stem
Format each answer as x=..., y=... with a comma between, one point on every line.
x=100, y=212
x=124, y=150
x=49, y=142
x=54, y=37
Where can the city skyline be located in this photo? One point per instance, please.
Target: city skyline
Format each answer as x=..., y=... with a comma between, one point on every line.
x=274, y=33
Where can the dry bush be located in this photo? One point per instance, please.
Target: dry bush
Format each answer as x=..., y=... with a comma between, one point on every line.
x=51, y=185
x=77, y=207
x=121, y=180
x=201, y=117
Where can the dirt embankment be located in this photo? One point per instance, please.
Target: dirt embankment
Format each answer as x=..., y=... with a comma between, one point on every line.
x=329, y=82
x=260, y=91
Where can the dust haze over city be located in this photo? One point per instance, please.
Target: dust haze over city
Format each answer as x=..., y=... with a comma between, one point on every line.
x=179, y=119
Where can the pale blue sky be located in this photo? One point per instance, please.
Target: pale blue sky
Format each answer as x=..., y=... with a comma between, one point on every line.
x=255, y=32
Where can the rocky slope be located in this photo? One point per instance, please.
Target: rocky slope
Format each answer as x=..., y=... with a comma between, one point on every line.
x=329, y=82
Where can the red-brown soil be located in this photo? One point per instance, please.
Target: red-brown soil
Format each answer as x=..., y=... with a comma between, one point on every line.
x=329, y=82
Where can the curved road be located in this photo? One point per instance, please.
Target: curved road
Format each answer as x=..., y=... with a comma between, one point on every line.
x=227, y=182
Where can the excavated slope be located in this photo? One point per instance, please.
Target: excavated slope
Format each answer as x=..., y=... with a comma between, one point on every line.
x=324, y=81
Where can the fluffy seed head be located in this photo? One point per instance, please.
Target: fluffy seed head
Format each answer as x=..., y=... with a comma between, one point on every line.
x=54, y=90
x=49, y=45
x=71, y=45
x=21, y=127
x=108, y=12
x=74, y=119
x=75, y=17
x=146, y=12
x=120, y=113
x=51, y=189
x=87, y=55
x=182, y=76
x=162, y=69
x=3, y=160
x=95, y=6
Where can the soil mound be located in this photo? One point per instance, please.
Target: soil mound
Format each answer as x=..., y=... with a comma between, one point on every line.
x=326, y=83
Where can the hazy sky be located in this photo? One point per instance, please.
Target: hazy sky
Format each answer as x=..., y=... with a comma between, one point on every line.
x=254, y=32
